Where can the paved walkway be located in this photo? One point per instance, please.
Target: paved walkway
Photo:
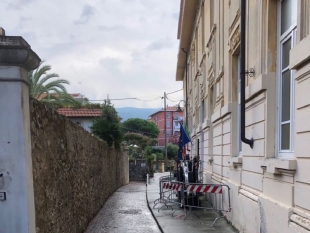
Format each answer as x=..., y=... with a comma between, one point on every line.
x=176, y=224
x=125, y=211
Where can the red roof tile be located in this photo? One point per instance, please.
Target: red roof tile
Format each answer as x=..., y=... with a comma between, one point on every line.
x=80, y=112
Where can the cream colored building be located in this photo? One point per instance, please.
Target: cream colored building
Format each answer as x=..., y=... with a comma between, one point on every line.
x=270, y=183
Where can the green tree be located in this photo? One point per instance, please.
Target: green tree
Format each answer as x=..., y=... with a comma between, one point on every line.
x=108, y=126
x=172, y=151
x=141, y=126
x=139, y=139
x=49, y=88
x=159, y=156
x=148, y=150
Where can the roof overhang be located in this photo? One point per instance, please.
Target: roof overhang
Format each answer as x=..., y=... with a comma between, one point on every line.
x=187, y=16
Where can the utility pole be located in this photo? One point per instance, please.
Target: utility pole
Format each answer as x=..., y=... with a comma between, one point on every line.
x=165, y=112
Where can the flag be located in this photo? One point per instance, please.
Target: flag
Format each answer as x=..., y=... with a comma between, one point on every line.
x=183, y=140
x=184, y=133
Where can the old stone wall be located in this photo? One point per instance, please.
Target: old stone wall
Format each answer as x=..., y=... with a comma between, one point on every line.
x=74, y=172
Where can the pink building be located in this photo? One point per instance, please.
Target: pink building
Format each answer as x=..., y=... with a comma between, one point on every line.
x=173, y=124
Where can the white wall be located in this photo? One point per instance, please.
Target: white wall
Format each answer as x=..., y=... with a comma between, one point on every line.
x=86, y=123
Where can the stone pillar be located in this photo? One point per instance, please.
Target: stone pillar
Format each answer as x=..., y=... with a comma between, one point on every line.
x=17, y=210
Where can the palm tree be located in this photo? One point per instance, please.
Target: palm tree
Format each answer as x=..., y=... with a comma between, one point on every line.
x=45, y=88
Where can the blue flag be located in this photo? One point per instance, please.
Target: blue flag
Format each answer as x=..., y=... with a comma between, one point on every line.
x=183, y=140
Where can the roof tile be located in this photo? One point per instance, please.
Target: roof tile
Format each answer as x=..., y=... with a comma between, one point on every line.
x=80, y=112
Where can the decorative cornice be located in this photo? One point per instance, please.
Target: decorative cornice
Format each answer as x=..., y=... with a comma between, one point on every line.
x=235, y=39
x=233, y=24
x=192, y=53
x=211, y=39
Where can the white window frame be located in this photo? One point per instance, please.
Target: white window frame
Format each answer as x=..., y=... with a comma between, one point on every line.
x=168, y=124
x=281, y=39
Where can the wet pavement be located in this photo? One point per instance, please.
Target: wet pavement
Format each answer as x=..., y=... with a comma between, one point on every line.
x=198, y=221
x=125, y=211
x=130, y=209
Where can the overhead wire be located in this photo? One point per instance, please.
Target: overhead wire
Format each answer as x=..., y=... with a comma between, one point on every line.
x=141, y=98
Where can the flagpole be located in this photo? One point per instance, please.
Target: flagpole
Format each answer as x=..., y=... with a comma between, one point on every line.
x=165, y=112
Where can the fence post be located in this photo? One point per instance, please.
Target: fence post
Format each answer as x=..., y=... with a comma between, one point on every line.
x=16, y=181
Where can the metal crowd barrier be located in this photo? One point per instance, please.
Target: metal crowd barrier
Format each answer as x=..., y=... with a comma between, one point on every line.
x=195, y=195
x=163, y=199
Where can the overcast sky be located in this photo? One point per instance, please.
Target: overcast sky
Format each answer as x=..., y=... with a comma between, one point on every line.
x=124, y=48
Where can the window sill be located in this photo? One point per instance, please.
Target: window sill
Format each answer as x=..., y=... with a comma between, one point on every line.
x=278, y=166
x=225, y=110
x=235, y=161
x=263, y=82
x=206, y=124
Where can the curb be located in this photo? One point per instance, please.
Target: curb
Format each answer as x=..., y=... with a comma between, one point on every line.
x=147, y=202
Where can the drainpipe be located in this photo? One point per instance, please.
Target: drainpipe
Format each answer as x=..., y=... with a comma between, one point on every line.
x=185, y=84
x=243, y=72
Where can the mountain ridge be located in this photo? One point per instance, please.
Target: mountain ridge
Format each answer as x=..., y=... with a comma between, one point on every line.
x=132, y=112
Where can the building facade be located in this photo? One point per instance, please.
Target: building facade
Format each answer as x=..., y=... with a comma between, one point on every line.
x=270, y=184
x=173, y=124
x=81, y=116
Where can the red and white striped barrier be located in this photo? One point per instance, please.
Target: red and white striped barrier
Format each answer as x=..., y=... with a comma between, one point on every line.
x=194, y=188
x=204, y=188
x=172, y=186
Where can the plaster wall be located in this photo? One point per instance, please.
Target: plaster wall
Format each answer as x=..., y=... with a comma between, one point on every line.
x=85, y=123
x=268, y=192
x=17, y=211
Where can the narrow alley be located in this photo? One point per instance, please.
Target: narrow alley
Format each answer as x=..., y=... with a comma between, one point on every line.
x=125, y=211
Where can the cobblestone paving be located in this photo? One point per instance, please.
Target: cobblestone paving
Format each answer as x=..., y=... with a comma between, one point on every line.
x=125, y=211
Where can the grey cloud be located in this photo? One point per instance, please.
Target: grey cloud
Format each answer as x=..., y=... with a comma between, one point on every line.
x=175, y=15
x=23, y=21
x=88, y=12
x=18, y=5
x=160, y=44
x=142, y=19
x=147, y=3
x=110, y=63
x=137, y=56
x=107, y=28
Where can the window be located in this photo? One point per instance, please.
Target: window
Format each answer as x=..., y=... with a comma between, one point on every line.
x=176, y=124
x=168, y=114
x=287, y=21
x=168, y=123
x=168, y=132
x=202, y=111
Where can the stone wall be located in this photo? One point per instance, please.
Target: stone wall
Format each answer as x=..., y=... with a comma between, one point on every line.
x=74, y=172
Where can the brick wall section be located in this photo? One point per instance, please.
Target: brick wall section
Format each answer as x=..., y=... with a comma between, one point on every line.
x=74, y=172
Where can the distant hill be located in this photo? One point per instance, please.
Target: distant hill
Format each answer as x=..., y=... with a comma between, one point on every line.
x=130, y=112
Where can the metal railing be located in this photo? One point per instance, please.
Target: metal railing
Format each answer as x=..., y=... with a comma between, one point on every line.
x=194, y=195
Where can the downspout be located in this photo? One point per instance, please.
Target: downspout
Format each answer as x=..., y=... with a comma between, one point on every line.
x=185, y=84
x=243, y=72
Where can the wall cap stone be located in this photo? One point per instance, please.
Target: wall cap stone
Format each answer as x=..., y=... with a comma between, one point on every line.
x=15, y=51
